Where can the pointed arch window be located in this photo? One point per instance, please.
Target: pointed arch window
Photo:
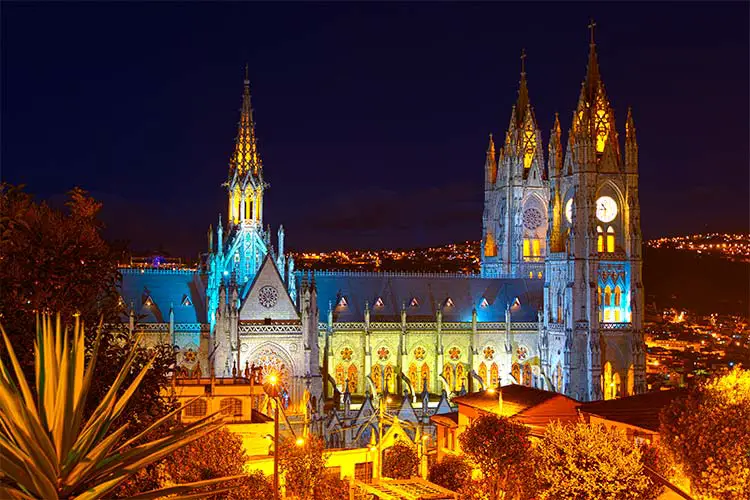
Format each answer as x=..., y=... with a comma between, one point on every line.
x=483, y=373
x=490, y=248
x=484, y=303
x=494, y=375
x=186, y=301
x=414, y=302
x=342, y=302
x=599, y=239
x=610, y=239
x=618, y=296
x=448, y=302
x=378, y=303
x=352, y=376
x=425, y=374
x=148, y=302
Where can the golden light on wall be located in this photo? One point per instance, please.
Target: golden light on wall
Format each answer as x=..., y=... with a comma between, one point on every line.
x=601, y=124
x=529, y=145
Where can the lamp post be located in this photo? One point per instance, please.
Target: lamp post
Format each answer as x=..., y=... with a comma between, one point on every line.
x=272, y=390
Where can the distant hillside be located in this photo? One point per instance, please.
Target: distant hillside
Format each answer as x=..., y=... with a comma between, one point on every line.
x=702, y=283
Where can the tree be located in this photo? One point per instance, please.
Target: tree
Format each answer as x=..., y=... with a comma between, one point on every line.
x=400, y=461
x=303, y=465
x=51, y=450
x=218, y=454
x=499, y=447
x=708, y=433
x=51, y=260
x=589, y=461
x=451, y=472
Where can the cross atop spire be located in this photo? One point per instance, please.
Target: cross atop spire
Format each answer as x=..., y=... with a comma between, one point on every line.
x=592, y=25
x=523, y=61
x=523, y=92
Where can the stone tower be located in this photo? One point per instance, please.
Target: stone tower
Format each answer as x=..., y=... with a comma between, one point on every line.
x=514, y=223
x=592, y=342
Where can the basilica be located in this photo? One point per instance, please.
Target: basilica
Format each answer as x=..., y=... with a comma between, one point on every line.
x=558, y=304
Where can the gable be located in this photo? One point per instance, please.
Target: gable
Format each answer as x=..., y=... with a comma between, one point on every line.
x=268, y=297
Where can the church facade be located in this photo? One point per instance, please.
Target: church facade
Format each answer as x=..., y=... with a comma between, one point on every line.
x=558, y=304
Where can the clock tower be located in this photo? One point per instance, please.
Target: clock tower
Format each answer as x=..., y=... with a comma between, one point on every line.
x=592, y=343
x=514, y=223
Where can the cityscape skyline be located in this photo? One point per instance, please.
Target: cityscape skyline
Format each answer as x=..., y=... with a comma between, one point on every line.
x=370, y=132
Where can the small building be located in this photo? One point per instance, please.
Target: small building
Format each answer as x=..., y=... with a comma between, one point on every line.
x=532, y=407
x=637, y=415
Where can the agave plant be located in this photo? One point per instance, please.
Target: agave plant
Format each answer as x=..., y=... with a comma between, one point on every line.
x=50, y=450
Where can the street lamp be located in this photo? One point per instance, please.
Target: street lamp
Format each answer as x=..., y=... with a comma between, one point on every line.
x=272, y=390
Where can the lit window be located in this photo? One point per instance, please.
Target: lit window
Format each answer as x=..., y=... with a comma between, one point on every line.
x=610, y=240
x=231, y=407
x=536, y=248
x=378, y=302
x=186, y=301
x=448, y=302
x=599, y=239
x=196, y=409
x=526, y=247
x=414, y=302
x=618, y=295
x=607, y=296
x=539, y=275
x=484, y=303
x=149, y=301
x=490, y=248
x=342, y=302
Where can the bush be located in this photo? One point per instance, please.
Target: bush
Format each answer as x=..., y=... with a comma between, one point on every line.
x=400, y=461
x=452, y=472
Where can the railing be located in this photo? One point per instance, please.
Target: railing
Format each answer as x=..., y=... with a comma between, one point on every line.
x=155, y=270
x=385, y=274
x=615, y=326
x=270, y=328
x=432, y=326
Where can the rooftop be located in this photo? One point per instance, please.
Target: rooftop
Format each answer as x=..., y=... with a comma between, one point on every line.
x=641, y=410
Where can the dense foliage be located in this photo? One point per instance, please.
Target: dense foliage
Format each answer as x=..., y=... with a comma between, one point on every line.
x=589, y=461
x=218, y=454
x=54, y=260
x=500, y=448
x=51, y=448
x=452, y=472
x=303, y=466
x=400, y=461
x=708, y=432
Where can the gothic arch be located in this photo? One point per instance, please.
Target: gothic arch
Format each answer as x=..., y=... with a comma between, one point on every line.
x=264, y=353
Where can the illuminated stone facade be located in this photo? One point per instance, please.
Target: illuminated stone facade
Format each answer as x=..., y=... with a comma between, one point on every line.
x=558, y=304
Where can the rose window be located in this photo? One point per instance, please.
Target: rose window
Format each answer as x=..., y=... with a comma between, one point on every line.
x=454, y=353
x=419, y=353
x=532, y=218
x=346, y=354
x=268, y=296
x=489, y=352
x=383, y=353
x=522, y=352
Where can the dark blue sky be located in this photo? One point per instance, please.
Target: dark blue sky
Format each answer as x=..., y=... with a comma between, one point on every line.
x=372, y=118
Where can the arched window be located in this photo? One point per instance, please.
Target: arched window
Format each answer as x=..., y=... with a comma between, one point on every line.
x=375, y=374
x=483, y=374
x=526, y=247
x=460, y=379
x=448, y=374
x=607, y=296
x=413, y=378
x=536, y=248
x=515, y=372
x=607, y=381
x=527, y=375
x=425, y=372
x=494, y=378
x=618, y=295
x=559, y=376
x=340, y=376
x=599, y=239
x=196, y=409
x=388, y=379
x=610, y=239
x=352, y=375
x=231, y=407
x=490, y=248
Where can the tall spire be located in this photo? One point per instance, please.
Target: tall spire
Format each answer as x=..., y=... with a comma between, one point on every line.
x=490, y=163
x=522, y=103
x=592, y=71
x=245, y=158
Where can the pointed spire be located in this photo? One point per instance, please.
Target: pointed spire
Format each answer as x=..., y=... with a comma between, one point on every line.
x=490, y=163
x=592, y=71
x=630, y=126
x=245, y=157
x=523, y=92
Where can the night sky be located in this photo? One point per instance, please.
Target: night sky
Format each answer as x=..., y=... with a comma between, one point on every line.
x=372, y=118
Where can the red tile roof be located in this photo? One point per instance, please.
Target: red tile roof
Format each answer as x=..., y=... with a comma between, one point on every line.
x=641, y=410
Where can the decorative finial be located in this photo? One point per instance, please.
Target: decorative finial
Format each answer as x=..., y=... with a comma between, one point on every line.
x=592, y=25
x=247, y=76
x=523, y=61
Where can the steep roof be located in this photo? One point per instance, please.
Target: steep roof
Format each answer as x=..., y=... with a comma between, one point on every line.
x=184, y=291
x=422, y=295
x=641, y=410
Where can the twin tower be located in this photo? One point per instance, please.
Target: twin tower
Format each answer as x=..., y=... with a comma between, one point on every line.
x=573, y=220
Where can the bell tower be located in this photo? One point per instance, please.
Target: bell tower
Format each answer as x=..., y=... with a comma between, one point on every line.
x=593, y=291
x=515, y=196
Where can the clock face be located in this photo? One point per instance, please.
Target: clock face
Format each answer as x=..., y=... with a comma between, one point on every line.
x=268, y=296
x=569, y=210
x=606, y=209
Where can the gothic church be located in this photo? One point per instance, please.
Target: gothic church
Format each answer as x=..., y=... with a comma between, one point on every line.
x=558, y=304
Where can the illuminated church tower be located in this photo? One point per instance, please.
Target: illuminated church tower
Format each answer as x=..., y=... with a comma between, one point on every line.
x=514, y=222
x=592, y=345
